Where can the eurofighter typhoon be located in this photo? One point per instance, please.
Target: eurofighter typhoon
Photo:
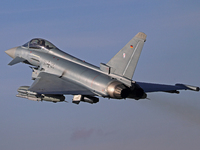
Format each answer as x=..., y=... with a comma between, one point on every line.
x=56, y=73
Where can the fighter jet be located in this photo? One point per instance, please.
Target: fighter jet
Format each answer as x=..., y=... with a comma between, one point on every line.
x=56, y=73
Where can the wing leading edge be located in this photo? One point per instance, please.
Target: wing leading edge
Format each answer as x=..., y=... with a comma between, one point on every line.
x=152, y=87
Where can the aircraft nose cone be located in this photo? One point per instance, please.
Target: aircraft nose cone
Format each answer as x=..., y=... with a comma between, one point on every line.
x=11, y=52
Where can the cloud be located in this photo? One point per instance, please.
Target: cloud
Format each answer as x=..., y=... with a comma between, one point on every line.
x=84, y=134
x=81, y=134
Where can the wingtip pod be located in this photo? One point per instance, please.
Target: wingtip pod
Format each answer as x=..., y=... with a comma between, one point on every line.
x=141, y=35
x=189, y=87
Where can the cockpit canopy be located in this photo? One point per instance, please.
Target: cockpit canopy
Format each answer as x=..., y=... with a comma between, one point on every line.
x=38, y=43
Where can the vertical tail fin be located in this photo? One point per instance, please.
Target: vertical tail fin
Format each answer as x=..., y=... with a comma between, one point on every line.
x=125, y=61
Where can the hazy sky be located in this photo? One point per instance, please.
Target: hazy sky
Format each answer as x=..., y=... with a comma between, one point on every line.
x=95, y=31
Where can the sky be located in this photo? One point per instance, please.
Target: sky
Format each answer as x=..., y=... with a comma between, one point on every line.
x=95, y=31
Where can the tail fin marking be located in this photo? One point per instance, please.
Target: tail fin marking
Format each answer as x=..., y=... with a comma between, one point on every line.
x=125, y=61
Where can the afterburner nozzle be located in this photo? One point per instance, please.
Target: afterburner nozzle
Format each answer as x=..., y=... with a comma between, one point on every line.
x=118, y=90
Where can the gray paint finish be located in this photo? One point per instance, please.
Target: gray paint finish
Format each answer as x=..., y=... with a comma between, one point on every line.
x=57, y=73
